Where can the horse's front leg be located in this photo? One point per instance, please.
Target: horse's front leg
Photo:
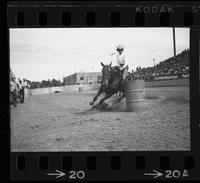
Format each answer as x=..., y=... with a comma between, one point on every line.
x=103, y=99
x=96, y=96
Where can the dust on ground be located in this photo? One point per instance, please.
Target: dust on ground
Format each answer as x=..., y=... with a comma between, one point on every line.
x=66, y=122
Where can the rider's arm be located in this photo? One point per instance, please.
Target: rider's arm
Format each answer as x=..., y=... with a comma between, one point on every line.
x=113, y=53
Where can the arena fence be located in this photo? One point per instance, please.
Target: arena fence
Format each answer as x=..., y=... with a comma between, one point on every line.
x=165, y=83
x=95, y=86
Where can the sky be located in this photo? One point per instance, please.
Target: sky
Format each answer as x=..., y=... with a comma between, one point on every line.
x=39, y=54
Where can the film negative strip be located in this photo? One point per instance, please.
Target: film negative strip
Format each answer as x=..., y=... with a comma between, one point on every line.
x=58, y=132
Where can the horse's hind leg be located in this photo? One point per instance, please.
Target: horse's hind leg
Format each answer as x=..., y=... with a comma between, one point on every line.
x=120, y=98
x=96, y=96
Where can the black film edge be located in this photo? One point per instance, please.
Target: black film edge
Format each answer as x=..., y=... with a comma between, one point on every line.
x=111, y=165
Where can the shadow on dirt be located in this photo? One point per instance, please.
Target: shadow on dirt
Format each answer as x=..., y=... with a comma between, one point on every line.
x=151, y=97
x=117, y=107
x=87, y=112
x=178, y=100
x=95, y=111
x=102, y=108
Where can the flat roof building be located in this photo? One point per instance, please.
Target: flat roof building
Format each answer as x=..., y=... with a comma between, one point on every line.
x=83, y=78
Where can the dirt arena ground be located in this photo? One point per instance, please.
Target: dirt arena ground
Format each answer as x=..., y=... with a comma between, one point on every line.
x=65, y=122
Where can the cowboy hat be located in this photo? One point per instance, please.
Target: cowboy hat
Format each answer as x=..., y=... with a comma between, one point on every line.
x=120, y=47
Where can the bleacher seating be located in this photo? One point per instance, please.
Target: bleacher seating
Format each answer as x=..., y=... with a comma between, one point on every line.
x=174, y=67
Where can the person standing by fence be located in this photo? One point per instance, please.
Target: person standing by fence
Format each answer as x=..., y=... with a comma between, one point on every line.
x=21, y=89
x=13, y=91
x=25, y=86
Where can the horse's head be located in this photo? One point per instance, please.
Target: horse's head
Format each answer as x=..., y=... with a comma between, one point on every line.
x=106, y=74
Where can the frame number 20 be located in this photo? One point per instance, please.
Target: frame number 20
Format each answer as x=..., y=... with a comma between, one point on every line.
x=76, y=174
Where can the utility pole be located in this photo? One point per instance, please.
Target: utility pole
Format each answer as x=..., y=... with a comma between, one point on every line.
x=154, y=62
x=174, y=42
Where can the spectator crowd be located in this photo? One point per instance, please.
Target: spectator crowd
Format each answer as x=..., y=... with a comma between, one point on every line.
x=174, y=67
x=19, y=90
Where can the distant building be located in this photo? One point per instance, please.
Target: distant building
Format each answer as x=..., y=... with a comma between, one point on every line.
x=83, y=78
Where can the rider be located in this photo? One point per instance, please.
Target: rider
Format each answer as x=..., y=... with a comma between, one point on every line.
x=120, y=59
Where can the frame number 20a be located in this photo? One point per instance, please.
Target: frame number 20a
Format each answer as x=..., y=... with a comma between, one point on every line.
x=175, y=174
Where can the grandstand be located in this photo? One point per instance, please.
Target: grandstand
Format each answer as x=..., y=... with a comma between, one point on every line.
x=171, y=68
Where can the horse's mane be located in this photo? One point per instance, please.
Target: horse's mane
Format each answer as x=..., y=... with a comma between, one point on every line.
x=116, y=76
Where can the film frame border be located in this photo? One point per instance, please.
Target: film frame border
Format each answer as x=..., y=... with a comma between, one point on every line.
x=116, y=165
x=104, y=14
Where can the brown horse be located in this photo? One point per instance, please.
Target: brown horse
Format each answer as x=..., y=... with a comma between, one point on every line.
x=112, y=83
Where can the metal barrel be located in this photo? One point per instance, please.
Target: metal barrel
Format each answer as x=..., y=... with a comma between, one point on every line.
x=135, y=95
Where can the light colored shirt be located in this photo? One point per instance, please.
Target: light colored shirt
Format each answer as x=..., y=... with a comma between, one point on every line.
x=12, y=86
x=24, y=83
x=20, y=86
x=118, y=59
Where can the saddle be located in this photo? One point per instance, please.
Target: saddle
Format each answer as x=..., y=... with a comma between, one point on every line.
x=121, y=72
x=117, y=69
